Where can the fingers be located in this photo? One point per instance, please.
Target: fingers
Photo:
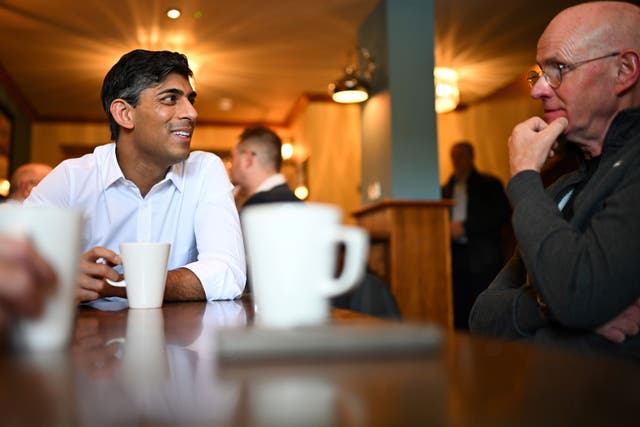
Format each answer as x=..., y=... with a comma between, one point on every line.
x=99, y=252
x=611, y=334
x=624, y=325
x=532, y=142
x=96, y=265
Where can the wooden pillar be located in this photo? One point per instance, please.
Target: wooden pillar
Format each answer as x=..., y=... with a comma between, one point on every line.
x=411, y=250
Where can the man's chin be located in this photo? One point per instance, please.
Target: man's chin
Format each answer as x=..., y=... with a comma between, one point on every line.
x=550, y=116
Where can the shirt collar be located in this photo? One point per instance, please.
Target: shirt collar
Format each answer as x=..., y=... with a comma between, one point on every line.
x=622, y=130
x=112, y=172
x=272, y=181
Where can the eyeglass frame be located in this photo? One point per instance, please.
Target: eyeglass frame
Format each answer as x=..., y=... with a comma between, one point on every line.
x=534, y=76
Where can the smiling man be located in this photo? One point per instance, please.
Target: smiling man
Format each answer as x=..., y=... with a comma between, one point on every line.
x=147, y=185
x=575, y=279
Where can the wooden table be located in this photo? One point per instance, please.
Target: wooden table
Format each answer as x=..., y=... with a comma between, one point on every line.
x=160, y=368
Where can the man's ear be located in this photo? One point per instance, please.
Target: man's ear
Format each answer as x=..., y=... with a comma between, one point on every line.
x=248, y=160
x=629, y=71
x=123, y=113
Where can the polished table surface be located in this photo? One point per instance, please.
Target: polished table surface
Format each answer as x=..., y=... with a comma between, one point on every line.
x=160, y=367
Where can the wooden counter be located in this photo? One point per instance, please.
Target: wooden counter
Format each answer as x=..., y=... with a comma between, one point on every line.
x=410, y=250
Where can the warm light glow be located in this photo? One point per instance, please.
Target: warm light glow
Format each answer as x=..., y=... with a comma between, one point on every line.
x=4, y=187
x=301, y=192
x=173, y=13
x=225, y=104
x=287, y=150
x=350, y=96
x=446, y=87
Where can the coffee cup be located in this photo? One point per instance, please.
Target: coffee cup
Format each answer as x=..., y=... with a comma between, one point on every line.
x=144, y=265
x=292, y=253
x=56, y=233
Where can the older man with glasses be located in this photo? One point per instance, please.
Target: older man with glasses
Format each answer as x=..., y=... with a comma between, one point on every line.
x=575, y=278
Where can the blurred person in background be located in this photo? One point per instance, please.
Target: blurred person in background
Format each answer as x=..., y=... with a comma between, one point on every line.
x=478, y=220
x=25, y=178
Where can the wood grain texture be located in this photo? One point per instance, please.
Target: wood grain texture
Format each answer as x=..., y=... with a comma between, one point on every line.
x=412, y=239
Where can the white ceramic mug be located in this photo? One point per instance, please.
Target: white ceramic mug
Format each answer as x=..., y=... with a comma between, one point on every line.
x=144, y=265
x=56, y=233
x=292, y=252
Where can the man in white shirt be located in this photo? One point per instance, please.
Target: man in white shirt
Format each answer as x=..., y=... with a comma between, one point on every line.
x=148, y=186
x=255, y=168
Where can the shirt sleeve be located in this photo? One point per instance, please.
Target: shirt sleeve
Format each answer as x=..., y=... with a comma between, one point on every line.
x=221, y=265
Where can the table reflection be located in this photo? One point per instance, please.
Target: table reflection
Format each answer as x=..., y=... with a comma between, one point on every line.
x=159, y=367
x=292, y=400
x=156, y=367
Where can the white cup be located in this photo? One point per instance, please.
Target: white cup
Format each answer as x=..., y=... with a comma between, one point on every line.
x=56, y=233
x=292, y=252
x=144, y=265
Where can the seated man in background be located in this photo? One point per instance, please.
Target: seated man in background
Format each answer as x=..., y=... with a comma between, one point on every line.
x=255, y=168
x=149, y=186
x=25, y=178
x=575, y=278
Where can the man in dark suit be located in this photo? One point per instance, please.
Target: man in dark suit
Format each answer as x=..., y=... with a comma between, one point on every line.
x=478, y=218
x=255, y=168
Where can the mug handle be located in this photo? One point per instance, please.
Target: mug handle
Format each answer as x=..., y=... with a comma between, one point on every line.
x=119, y=283
x=356, y=242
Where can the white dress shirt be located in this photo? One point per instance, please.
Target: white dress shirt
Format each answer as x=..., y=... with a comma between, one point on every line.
x=192, y=208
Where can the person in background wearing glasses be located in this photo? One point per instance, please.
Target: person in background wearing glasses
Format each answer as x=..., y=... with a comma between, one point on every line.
x=575, y=277
x=255, y=168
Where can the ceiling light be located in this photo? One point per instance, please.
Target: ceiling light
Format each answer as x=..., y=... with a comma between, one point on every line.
x=173, y=13
x=354, y=86
x=225, y=104
x=446, y=88
x=286, y=150
x=4, y=187
x=301, y=192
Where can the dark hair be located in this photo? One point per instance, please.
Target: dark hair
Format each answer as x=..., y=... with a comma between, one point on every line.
x=466, y=145
x=136, y=71
x=269, y=140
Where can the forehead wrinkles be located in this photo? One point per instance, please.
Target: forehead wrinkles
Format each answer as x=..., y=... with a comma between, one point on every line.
x=569, y=42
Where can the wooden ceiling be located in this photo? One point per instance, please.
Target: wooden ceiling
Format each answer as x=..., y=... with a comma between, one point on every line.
x=260, y=56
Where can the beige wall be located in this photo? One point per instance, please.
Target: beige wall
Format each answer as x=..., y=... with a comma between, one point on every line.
x=327, y=133
x=487, y=125
x=48, y=139
x=331, y=134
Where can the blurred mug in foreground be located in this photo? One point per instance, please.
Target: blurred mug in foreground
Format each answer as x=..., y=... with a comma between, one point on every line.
x=292, y=251
x=145, y=272
x=56, y=234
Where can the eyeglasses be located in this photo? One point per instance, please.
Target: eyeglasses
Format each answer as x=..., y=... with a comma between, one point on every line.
x=553, y=74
